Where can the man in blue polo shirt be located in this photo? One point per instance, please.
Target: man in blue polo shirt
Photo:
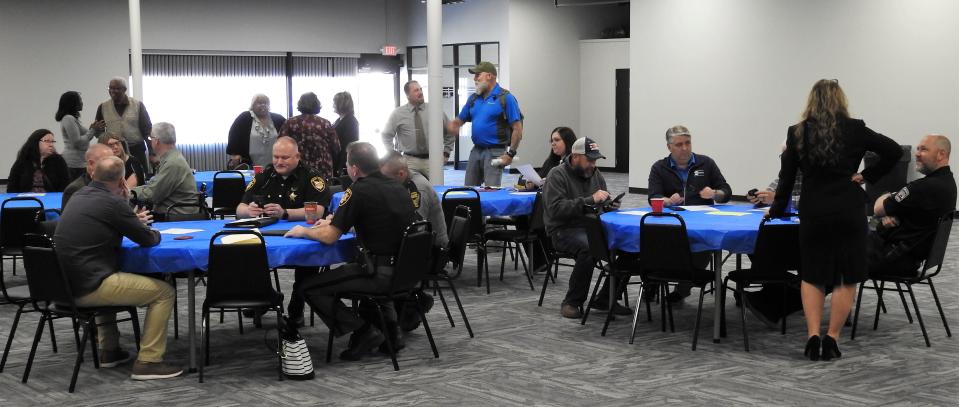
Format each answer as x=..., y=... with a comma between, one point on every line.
x=497, y=127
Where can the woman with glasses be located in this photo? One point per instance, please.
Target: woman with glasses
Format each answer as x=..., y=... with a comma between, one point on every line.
x=38, y=167
x=134, y=172
x=252, y=135
x=827, y=145
x=76, y=138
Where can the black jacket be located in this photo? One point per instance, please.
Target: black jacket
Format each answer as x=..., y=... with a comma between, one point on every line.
x=664, y=182
x=238, y=142
x=55, y=177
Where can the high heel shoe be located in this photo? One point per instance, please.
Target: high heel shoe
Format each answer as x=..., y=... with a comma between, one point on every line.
x=812, y=348
x=830, y=349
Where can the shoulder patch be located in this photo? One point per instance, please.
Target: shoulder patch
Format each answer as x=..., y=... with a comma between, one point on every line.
x=415, y=196
x=346, y=196
x=318, y=184
x=902, y=194
x=250, y=185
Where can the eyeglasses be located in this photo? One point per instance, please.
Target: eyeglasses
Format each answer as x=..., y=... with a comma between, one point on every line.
x=51, y=141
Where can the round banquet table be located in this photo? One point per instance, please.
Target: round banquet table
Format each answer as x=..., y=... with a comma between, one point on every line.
x=500, y=202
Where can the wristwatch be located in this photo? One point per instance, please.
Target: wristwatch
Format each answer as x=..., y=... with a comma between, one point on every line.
x=510, y=152
x=286, y=214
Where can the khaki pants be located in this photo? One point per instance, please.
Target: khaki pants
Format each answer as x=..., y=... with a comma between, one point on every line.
x=133, y=289
x=420, y=165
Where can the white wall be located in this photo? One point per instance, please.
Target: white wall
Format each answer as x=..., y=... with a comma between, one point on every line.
x=544, y=66
x=50, y=47
x=737, y=73
x=599, y=60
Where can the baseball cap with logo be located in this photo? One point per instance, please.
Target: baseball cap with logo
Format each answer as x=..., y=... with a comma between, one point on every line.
x=587, y=147
x=483, y=67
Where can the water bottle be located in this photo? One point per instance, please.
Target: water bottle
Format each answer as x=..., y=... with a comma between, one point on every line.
x=496, y=162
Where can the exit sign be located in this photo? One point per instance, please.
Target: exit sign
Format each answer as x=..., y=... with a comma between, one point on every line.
x=389, y=50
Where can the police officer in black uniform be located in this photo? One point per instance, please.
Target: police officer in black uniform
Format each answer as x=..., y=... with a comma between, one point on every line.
x=379, y=209
x=279, y=192
x=909, y=217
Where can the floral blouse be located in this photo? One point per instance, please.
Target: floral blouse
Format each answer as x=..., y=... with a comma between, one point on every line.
x=317, y=140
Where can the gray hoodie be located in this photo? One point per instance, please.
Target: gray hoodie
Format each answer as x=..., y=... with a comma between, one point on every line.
x=566, y=194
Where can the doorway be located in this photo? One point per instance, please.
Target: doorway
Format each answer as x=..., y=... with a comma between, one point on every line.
x=622, y=120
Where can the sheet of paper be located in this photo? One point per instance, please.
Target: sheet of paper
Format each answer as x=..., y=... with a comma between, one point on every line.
x=179, y=231
x=530, y=174
x=723, y=213
x=698, y=208
x=523, y=193
x=29, y=194
x=634, y=213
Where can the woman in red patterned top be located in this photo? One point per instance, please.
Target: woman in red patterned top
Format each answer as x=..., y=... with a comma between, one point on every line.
x=315, y=135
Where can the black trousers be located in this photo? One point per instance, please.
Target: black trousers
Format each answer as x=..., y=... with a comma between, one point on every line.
x=297, y=304
x=320, y=290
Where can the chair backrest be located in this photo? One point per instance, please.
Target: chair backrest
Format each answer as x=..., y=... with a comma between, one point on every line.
x=200, y=213
x=664, y=247
x=777, y=246
x=238, y=271
x=536, y=222
x=459, y=236
x=450, y=202
x=596, y=237
x=414, y=257
x=937, y=252
x=228, y=189
x=15, y=221
x=46, y=280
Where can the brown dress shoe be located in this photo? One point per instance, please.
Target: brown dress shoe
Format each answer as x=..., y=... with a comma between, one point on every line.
x=571, y=311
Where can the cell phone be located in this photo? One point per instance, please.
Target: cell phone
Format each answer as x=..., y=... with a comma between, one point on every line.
x=677, y=208
x=752, y=192
x=618, y=197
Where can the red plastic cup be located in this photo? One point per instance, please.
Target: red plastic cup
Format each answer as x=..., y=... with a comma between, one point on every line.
x=657, y=204
x=257, y=169
x=311, y=209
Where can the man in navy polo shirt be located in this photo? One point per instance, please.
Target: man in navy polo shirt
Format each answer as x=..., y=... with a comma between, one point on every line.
x=497, y=127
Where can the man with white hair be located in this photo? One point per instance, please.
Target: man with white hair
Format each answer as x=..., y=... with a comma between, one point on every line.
x=173, y=183
x=125, y=115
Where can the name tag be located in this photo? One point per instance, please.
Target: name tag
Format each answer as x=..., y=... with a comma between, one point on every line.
x=699, y=173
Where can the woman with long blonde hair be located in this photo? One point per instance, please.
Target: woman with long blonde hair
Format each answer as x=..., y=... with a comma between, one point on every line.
x=134, y=172
x=827, y=146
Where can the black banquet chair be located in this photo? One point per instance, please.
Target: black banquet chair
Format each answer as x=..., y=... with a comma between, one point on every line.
x=410, y=269
x=228, y=189
x=238, y=277
x=52, y=297
x=453, y=254
x=14, y=222
x=929, y=268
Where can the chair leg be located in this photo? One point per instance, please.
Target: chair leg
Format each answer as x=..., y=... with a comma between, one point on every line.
x=669, y=312
x=939, y=305
x=542, y=292
x=94, y=348
x=135, y=321
x=460, y=305
x=426, y=325
x=53, y=337
x=742, y=313
x=204, y=339
x=13, y=331
x=592, y=296
x=521, y=253
x=879, y=303
x=176, y=308
x=279, y=343
x=855, y=318
x=76, y=365
x=699, y=317
x=329, y=347
x=722, y=307
x=902, y=297
x=502, y=259
x=621, y=293
x=639, y=300
x=389, y=342
x=446, y=308
x=662, y=304
x=915, y=305
x=33, y=348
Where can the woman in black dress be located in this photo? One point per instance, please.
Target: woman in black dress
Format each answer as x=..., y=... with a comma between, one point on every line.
x=347, y=128
x=827, y=146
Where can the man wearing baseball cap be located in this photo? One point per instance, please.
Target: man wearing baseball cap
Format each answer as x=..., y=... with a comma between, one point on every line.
x=497, y=127
x=574, y=189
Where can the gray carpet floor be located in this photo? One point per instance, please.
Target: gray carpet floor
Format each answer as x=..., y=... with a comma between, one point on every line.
x=528, y=355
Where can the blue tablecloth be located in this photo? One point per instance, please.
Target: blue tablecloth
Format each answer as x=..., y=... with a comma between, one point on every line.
x=501, y=202
x=51, y=202
x=183, y=255
x=736, y=234
x=206, y=177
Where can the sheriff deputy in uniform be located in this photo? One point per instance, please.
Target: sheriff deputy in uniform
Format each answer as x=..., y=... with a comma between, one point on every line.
x=279, y=192
x=380, y=210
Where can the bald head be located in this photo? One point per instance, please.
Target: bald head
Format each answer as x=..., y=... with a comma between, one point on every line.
x=394, y=166
x=96, y=153
x=286, y=155
x=109, y=170
x=932, y=153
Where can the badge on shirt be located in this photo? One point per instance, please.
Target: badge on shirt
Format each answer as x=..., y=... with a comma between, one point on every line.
x=346, y=196
x=902, y=194
x=249, y=187
x=699, y=173
x=318, y=184
x=415, y=196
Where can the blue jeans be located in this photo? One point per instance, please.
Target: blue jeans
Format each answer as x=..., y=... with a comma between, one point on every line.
x=478, y=168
